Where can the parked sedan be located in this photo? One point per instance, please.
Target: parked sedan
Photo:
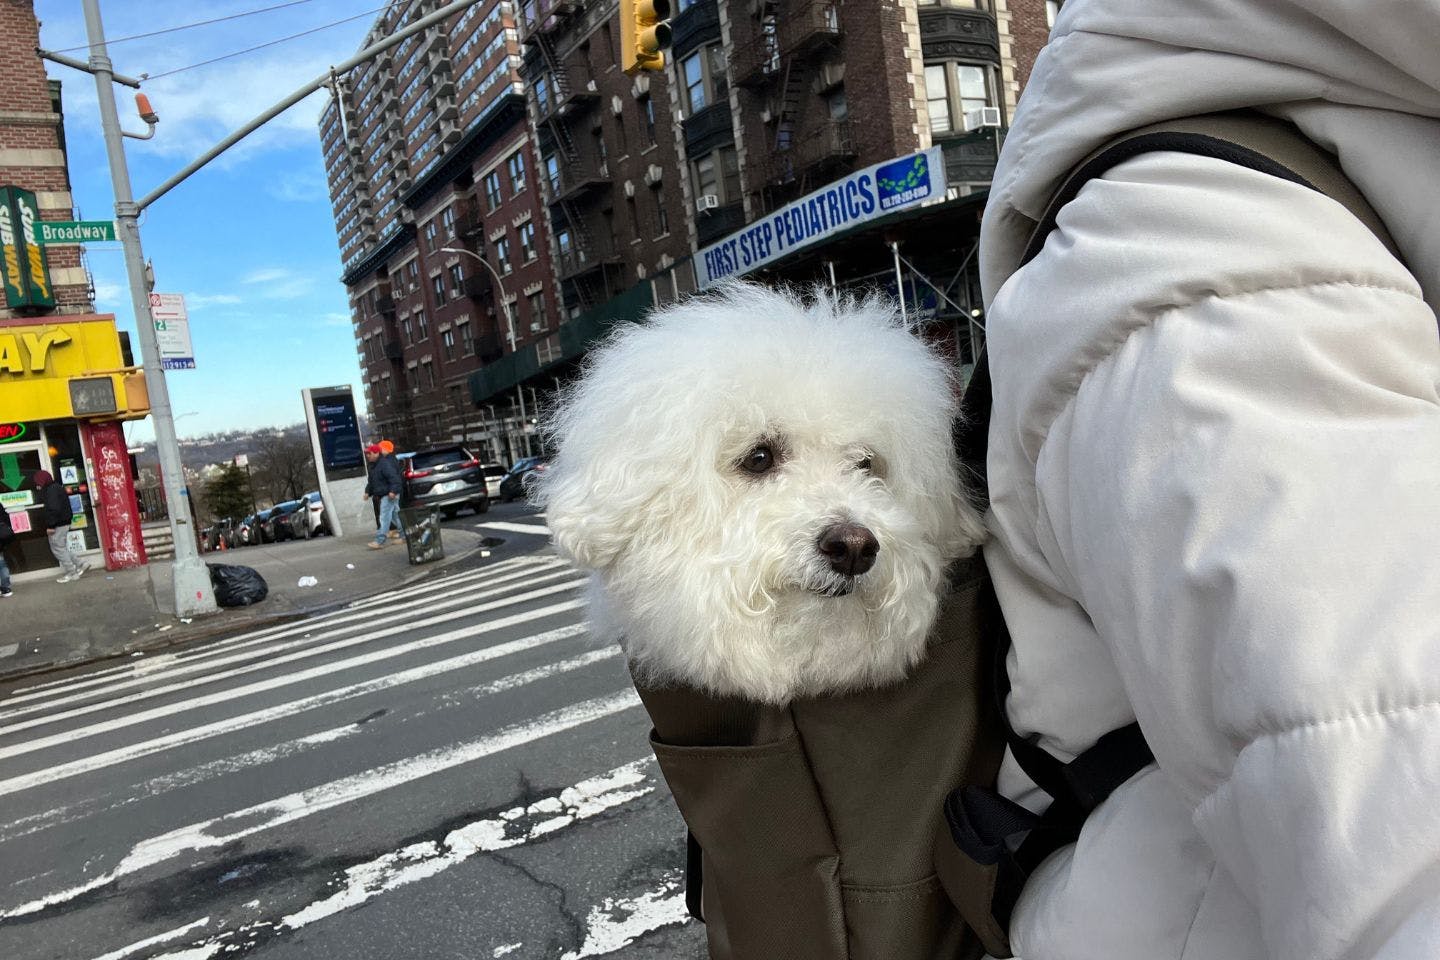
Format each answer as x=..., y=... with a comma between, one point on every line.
x=261, y=531
x=317, y=522
x=288, y=521
x=514, y=485
x=494, y=473
x=446, y=477
x=246, y=532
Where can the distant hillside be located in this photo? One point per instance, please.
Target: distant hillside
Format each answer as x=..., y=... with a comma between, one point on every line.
x=198, y=452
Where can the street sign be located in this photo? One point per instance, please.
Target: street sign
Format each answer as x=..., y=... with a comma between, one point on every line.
x=172, y=330
x=75, y=231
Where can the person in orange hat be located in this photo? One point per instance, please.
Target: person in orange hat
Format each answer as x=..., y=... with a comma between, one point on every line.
x=384, y=487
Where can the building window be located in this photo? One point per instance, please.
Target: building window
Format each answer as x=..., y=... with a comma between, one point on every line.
x=431, y=232
x=705, y=82
x=838, y=106
x=717, y=174
x=538, y=320
x=412, y=274
x=502, y=254
x=467, y=340
x=457, y=277
x=965, y=4
x=422, y=326
x=953, y=88
x=552, y=174
x=1052, y=10
x=492, y=189
x=437, y=284
x=447, y=221
x=541, y=86
x=661, y=217
x=428, y=369
x=408, y=331
x=649, y=109
x=516, y=166
x=527, y=241
x=447, y=343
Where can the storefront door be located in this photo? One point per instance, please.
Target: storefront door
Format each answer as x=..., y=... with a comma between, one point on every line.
x=30, y=549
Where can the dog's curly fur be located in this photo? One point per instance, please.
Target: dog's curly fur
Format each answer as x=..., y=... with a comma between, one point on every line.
x=709, y=573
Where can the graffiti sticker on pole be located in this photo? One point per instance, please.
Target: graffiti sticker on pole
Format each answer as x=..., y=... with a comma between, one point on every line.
x=172, y=330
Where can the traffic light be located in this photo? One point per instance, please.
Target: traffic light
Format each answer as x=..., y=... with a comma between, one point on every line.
x=644, y=34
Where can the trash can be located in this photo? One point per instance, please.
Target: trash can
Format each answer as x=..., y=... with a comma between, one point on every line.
x=422, y=533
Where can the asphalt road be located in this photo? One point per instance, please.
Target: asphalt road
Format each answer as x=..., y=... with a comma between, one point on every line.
x=449, y=771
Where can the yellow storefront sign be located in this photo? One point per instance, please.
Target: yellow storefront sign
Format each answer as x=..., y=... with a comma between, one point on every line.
x=66, y=368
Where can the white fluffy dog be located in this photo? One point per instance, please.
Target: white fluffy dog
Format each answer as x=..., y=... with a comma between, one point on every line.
x=765, y=491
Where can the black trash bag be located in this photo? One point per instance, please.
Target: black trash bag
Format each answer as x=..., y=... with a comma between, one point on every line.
x=236, y=586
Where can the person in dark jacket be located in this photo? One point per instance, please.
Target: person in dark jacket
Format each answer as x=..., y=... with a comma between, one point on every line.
x=57, y=525
x=7, y=534
x=384, y=484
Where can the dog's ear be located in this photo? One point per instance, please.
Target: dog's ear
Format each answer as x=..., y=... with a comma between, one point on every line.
x=588, y=525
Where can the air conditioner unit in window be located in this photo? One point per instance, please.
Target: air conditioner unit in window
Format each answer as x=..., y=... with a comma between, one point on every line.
x=982, y=117
x=536, y=327
x=454, y=293
x=706, y=202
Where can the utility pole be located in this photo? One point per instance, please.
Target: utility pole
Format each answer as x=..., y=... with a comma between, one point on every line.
x=193, y=593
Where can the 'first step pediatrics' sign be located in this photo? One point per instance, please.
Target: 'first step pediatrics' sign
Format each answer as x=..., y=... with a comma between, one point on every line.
x=852, y=200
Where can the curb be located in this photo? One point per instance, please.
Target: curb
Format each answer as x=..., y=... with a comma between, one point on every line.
x=217, y=628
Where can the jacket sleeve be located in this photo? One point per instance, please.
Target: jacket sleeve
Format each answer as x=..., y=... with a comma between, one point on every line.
x=1221, y=392
x=57, y=506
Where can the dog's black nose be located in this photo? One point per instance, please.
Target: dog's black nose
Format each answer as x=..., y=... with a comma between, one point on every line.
x=849, y=547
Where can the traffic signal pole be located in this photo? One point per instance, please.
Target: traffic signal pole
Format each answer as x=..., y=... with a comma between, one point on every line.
x=193, y=593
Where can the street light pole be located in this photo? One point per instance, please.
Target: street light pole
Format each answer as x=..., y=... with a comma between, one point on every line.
x=509, y=332
x=193, y=593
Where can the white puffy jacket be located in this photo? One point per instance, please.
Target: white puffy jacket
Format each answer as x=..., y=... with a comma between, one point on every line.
x=1215, y=476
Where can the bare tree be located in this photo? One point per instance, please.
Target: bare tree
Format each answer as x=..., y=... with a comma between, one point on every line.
x=282, y=467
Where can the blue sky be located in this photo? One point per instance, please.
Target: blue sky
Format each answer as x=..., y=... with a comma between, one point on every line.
x=250, y=240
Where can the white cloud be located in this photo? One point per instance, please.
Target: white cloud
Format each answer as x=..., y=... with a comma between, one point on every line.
x=279, y=283
x=336, y=319
x=203, y=300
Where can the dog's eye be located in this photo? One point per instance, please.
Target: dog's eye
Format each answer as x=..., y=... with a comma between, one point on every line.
x=761, y=459
x=864, y=463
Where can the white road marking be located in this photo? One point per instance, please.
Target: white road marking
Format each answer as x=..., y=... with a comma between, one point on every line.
x=239, y=824
x=501, y=951
x=614, y=923
x=259, y=686
x=534, y=529
x=215, y=729
x=154, y=941
x=171, y=665
x=521, y=566
x=158, y=786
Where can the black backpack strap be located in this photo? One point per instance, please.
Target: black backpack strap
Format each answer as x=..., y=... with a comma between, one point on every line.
x=1002, y=842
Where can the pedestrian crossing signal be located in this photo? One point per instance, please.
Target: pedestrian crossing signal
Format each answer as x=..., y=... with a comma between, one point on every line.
x=644, y=34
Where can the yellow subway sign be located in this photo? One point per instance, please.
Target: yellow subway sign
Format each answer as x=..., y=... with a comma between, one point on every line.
x=24, y=271
x=54, y=371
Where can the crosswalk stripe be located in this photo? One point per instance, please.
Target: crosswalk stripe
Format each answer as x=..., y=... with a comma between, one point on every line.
x=509, y=570
x=237, y=825
x=232, y=693
x=160, y=785
x=173, y=670
x=182, y=737
x=534, y=529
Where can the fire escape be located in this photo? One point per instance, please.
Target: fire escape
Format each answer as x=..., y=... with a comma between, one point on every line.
x=561, y=95
x=788, y=60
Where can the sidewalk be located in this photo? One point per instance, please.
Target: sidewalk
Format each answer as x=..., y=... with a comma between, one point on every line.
x=48, y=625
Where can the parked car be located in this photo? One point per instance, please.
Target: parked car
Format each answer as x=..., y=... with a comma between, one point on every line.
x=287, y=521
x=264, y=533
x=493, y=473
x=318, y=521
x=447, y=477
x=245, y=531
x=514, y=485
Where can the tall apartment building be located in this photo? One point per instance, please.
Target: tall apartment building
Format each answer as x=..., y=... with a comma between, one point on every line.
x=430, y=169
x=516, y=134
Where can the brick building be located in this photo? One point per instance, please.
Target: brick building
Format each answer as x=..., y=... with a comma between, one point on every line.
x=430, y=171
x=32, y=148
x=625, y=179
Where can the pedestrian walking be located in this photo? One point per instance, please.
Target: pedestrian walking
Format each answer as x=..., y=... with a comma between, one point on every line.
x=1214, y=457
x=384, y=485
x=57, y=525
x=7, y=534
x=387, y=449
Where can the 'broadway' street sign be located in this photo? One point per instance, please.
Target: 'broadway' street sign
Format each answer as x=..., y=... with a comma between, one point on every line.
x=74, y=231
